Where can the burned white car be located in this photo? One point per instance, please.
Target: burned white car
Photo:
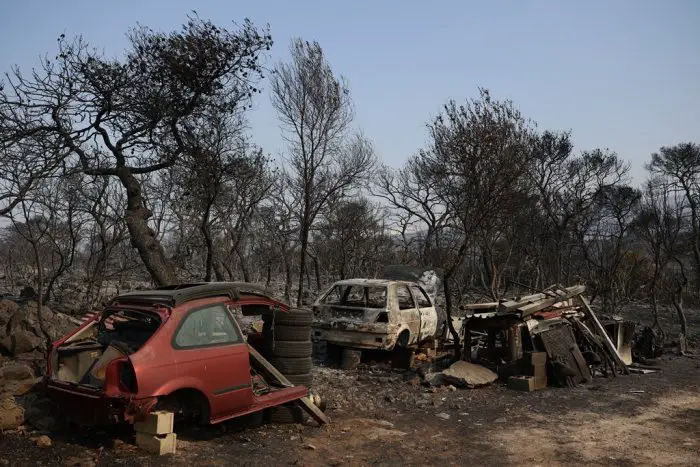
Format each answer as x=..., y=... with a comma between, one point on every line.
x=376, y=314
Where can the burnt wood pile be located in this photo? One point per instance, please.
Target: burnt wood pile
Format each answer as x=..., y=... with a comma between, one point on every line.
x=555, y=328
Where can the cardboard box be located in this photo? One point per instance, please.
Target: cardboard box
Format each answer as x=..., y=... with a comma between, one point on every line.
x=540, y=382
x=522, y=383
x=537, y=371
x=156, y=423
x=535, y=358
x=157, y=444
x=527, y=383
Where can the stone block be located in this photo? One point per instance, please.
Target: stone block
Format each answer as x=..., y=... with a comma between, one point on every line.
x=156, y=423
x=157, y=444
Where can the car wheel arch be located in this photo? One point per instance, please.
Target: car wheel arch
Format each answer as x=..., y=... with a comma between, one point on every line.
x=403, y=339
x=187, y=398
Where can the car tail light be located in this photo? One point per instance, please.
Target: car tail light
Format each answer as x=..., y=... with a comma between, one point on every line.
x=127, y=377
x=50, y=357
x=120, y=377
x=383, y=317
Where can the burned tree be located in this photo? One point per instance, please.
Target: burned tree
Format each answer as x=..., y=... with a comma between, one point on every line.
x=102, y=203
x=125, y=118
x=660, y=224
x=351, y=240
x=477, y=158
x=315, y=110
x=221, y=178
x=680, y=164
x=416, y=208
x=605, y=242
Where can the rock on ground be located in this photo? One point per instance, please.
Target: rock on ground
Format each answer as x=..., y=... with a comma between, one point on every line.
x=20, y=331
x=11, y=413
x=15, y=371
x=468, y=375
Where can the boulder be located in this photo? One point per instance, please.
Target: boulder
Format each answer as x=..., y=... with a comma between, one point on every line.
x=7, y=309
x=468, y=375
x=11, y=413
x=20, y=342
x=21, y=332
x=14, y=371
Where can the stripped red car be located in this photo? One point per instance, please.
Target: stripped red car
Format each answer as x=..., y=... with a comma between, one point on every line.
x=178, y=348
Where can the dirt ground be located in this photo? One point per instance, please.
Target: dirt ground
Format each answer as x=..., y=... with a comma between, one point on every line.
x=378, y=418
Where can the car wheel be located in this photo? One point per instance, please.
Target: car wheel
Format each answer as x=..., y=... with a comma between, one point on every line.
x=292, y=366
x=290, y=333
x=290, y=349
x=295, y=317
x=350, y=359
x=305, y=379
x=254, y=420
x=290, y=413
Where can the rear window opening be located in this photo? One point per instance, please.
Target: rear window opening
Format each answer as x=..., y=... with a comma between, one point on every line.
x=84, y=357
x=357, y=296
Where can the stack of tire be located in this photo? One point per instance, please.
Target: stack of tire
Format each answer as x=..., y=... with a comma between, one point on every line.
x=288, y=347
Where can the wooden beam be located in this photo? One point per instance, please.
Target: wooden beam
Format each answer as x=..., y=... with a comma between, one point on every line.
x=305, y=403
x=479, y=306
x=530, y=308
x=565, y=294
x=588, y=311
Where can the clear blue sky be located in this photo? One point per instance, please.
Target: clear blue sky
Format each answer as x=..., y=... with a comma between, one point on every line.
x=621, y=74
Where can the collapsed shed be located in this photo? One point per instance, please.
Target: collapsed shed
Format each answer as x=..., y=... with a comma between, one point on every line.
x=549, y=337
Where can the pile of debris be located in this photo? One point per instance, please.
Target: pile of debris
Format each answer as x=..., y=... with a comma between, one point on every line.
x=552, y=337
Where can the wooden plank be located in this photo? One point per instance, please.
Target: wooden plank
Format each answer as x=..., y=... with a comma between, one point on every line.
x=601, y=330
x=530, y=308
x=305, y=402
x=511, y=305
x=479, y=306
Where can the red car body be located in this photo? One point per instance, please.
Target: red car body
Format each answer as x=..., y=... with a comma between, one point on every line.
x=212, y=367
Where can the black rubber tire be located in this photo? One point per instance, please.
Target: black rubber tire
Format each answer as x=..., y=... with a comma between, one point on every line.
x=291, y=333
x=292, y=366
x=320, y=351
x=254, y=420
x=287, y=414
x=306, y=379
x=290, y=349
x=295, y=317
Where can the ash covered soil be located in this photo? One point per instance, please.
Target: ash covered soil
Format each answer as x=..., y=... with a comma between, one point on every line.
x=385, y=417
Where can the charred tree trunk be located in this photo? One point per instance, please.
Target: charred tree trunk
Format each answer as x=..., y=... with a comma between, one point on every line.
x=304, y=241
x=94, y=282
x=683, y=336
x=244, y=265
x=219, y=272
x=143, y=238
x=287, y=279
x=205, y=228
x=317, y=271
x=229, y=271
x=308, y=278
x=40, y=291
x=448, y=310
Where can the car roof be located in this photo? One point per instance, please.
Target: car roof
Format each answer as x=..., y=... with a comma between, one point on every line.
x=371, y=282
x=175, y=295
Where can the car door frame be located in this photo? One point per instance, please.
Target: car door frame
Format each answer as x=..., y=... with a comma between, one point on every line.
x=409, y=318
x=225, y=394
x=428, y=315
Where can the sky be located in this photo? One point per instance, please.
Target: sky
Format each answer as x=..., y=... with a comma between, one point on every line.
x=620, y=74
